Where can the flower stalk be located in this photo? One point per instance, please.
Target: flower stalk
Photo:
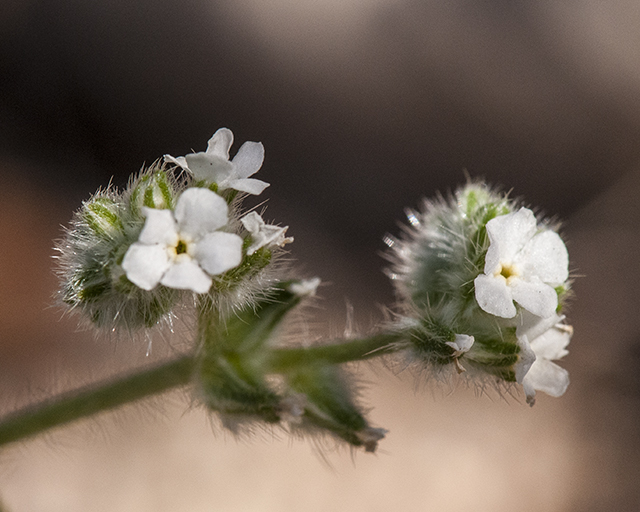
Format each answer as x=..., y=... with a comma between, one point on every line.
x=176, y=373
x=338, y=351
x=95, y=398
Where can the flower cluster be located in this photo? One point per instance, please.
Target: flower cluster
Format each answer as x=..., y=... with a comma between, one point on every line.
x=481, y=285
x=130, y=256
x=483, y=281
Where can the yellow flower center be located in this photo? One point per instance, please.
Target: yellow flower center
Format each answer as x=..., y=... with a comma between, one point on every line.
x=508, y=271
x=181, y=248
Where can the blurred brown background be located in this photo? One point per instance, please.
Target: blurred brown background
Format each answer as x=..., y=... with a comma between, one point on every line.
x=364, y=107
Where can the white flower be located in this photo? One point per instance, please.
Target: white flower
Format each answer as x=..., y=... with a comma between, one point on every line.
x=214, y=165
x=263, y=234
x=535, y=370
x=462, y=344
x=521, y=264
x=183, y=249
x=305, y=288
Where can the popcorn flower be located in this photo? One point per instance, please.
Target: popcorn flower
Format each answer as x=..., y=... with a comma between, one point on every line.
x=264, y=235
x=128, y=253
x=214, y=165
x=523, y=265
x=462, y=344
x=479, y=281
x=171, y=228
x=459, y=267
x=183, y=248
x=543, y=341
x=305, y=287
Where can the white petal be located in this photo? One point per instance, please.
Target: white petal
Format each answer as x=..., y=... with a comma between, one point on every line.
x=200, y=211
x=508, y=235
x=159, y=228
x=209, y=167
x=248, y=159
x=462, y=344
x=493, y=296
x=269, y=236
x=546, y=257
x=534, y=296
x=526, y=359
x=248, y=185
x=144, y=264
x=219, y=252
x=179, y=161
x=305, y=288
x=185, y=274
x=532, y=326
x=220, y=143
x=263, y=234
x=547, y=377
x=552, y=344
x=252, y=222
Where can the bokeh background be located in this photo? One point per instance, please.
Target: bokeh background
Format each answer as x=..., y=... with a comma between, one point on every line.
x=364, y=107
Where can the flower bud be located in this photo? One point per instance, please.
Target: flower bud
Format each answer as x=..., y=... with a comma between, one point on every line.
x=330, y=405
x=151, y=189
x=102, y=215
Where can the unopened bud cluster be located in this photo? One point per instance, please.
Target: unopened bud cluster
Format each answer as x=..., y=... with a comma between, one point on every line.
x=482, y=282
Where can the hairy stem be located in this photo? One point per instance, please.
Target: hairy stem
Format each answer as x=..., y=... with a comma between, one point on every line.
x=103, y=396
x=95, y=398
x=338, y=352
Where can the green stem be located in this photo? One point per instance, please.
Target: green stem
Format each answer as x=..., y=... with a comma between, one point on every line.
x=95, y=398
x=107, y=395
x=282, y=359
